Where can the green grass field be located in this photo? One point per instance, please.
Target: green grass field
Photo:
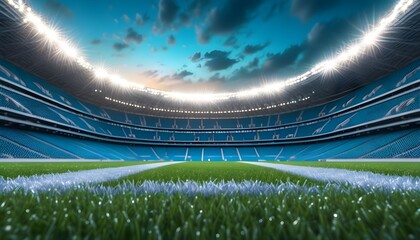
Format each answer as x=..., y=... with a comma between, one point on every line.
x=389, y=168
x=15, y=169
x=330, y=212
x=215, y=171
x=353, y=214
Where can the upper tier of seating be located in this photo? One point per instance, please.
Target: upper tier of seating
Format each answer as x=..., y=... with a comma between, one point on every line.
x=37, y=87
x=28, y=108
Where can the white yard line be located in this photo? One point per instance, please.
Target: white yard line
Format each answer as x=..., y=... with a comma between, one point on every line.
x=73, y=180
x=207, y=188
x=354, y=178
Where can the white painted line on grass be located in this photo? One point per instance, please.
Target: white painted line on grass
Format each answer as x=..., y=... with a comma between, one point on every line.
x=192, y=188
x=72, y=180
x=354, y=178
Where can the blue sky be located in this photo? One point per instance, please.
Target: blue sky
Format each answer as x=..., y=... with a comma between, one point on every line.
x=211, y=45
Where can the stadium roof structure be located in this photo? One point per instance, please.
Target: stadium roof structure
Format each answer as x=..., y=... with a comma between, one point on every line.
x=396, y=46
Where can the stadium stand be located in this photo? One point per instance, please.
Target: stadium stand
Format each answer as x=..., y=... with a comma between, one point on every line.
x=41, y=121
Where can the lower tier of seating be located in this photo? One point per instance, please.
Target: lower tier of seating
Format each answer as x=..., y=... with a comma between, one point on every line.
x=18, y=143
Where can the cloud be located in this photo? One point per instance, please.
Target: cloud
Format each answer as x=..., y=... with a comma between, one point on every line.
x=140, y=20
x=230, y=41
x=216, y=54
x=275, y=8
x=306, y=9
x=168, y=10
x=57, y=7
x=323, y=40
x=278, y=61
x=196, y=57
x=198, y=7
x=119, y=46
x=151, y=73
x=217, y=78
x=253, y=64
x=219, y=60
x=133, y=36
x=195, y=9
x=126, y=18
x=96, y=41
x=251, y=49
x=182, y=74
x=171, y=40
x=230, y=17
x=202, y=37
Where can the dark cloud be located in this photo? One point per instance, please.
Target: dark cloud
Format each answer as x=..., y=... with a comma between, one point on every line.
x=59, y=8
x=216, y=54
x=219, y=60
x=322, y=41
x=279, y=61
x=202, y=37
x=197, y=7
x=182, y=74
x=185, y=19
x=171, y=40
x=133, y=36
x=120, y=46
x=168, y=10
x=196, y=57
x=96, y=41
x=229, y=17
x=253, y=64
x=141, y=19
x=251, y=49
x=230, y=41
x=325, y=39
x=306, y=9
x=217, y=77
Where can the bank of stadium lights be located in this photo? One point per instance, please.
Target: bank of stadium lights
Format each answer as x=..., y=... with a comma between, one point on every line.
x=369, y=40
x=207, y=112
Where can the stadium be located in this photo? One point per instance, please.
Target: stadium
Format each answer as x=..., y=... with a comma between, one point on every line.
x=326, y=149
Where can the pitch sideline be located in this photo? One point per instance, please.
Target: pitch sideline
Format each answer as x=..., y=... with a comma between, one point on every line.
x=354, y=178
x=69, y=180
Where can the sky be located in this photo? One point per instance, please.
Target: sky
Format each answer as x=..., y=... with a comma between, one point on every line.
x=210, y=45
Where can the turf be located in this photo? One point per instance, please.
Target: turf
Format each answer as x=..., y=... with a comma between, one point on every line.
x=332, y=211
x=330, y=214
x=214, y=171
x=15, y=169
x=389, y=168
